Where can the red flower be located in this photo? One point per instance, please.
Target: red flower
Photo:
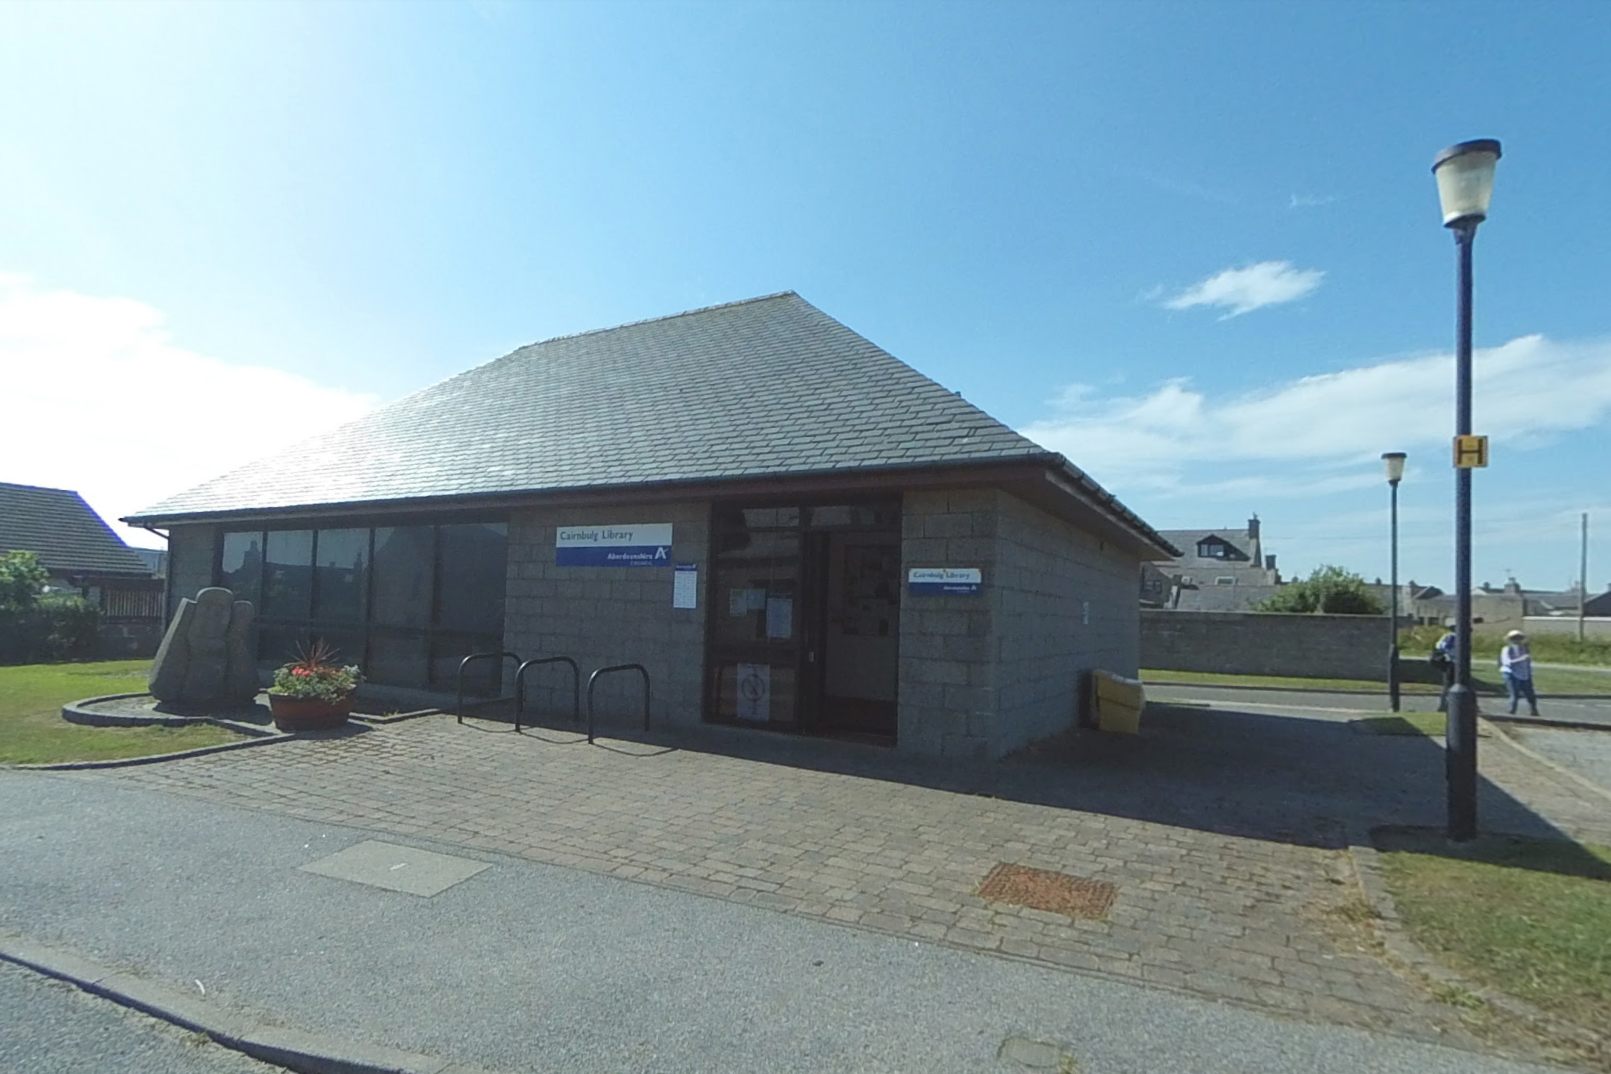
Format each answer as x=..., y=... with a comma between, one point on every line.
x=301, y=671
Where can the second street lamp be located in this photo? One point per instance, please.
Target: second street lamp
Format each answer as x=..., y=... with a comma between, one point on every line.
x=1465, y=175
x=1394, y=461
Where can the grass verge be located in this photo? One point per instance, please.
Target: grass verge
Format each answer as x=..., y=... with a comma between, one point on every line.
x=1547, y=681
x=32, y=730
x=1528, y=917
x=1432, y=724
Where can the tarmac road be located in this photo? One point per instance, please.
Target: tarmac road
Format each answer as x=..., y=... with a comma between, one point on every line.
x=50, y=1027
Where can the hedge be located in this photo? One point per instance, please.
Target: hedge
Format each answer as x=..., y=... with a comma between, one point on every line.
x=53, y=630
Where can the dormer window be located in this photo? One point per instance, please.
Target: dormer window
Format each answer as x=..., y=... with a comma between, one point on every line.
x=1211, y=549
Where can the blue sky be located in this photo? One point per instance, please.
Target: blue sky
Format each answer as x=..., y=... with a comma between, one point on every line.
x=1194, y=246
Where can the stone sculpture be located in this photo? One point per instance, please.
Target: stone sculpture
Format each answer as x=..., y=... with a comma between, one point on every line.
x=206, y=655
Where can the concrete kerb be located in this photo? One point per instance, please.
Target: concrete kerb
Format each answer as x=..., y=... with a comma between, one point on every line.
x=78, y=712
x=294, y=1049
x=1401, y=950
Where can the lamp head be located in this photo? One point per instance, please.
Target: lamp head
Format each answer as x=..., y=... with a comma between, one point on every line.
x=1394, y=461
x=1465, y=175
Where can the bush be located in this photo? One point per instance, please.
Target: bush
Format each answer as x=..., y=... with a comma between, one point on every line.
x=1330, y=590
x=51, y=630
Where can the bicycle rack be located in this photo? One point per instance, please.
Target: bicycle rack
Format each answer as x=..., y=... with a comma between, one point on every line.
x=576, y=686
x=458, y=706
x=593, y=679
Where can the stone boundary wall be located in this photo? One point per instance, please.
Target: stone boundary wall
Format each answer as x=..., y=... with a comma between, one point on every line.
x=1266, y=643
x=1594, y=626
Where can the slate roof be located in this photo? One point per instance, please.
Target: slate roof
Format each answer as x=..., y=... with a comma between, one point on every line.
x=765, y=387
x=1223, y=598
x=66, y=532
x=1187, y=541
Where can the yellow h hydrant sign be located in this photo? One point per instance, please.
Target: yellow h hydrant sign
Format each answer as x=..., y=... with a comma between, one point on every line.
x=1470, y=452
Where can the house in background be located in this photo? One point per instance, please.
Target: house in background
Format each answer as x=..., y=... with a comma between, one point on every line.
x=786, y=526
x=1223, y=570
x=85, y=557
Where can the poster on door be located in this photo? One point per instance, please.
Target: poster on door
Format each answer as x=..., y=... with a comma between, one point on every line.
x=755, y=692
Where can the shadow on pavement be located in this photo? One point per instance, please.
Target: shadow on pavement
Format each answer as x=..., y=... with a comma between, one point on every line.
x=1291, y=779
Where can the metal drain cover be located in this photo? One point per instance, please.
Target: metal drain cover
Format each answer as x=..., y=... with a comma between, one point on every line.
x=1040, y=889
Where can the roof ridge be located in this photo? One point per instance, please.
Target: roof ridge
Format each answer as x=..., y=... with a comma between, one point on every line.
x=662, y=317
x=35, y=488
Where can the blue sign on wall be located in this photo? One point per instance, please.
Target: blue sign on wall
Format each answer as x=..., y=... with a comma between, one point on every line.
x=944, y=581
x=613, y=546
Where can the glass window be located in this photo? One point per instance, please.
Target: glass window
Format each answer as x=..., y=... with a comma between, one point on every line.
x=242, y=567
x=277, y=646
x=474, y=567
x=404, y=575
x=288, y=574
x=481, y=679
x=340, y=575
x=398, y=658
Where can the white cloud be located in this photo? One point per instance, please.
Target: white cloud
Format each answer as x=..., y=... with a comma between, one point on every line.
x=99, y=399
x=1526, y=392
x=1242, y=290
x=1309, y=201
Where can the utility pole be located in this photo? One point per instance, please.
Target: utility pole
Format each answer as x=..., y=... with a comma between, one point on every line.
x=1583, y=577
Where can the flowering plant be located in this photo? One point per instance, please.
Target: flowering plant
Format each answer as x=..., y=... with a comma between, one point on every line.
x=314, y=675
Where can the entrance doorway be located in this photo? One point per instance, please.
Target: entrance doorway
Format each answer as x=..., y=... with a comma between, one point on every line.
x=804, y=620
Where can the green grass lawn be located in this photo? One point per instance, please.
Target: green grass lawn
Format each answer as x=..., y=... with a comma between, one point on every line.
x=32, y=730
x=1528, y=917
x=1546, y=680
x=1433, y=724
x=1485, y=645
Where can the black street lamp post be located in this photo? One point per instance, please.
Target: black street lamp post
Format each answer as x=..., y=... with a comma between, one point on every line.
x=1465, y=175
x=1394, y=461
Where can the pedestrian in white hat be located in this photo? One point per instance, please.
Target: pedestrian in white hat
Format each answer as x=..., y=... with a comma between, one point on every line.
x=1516, y=664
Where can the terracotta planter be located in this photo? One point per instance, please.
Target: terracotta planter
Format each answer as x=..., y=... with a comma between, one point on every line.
x=308, y=714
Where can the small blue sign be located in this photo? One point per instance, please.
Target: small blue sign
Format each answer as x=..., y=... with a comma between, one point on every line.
x=613, y=546
x=944, y=581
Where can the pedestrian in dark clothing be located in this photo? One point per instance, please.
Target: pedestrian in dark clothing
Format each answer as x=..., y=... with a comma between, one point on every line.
x=1443, y=660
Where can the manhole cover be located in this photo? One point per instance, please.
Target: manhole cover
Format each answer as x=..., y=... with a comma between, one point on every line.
x=1040, y=889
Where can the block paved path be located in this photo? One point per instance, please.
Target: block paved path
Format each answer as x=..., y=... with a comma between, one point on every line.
x=1246, y=901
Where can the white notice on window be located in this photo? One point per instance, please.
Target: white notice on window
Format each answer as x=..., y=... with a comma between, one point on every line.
x=738, y=602
x=755, y=692
x=685, y=586
x=780, y=618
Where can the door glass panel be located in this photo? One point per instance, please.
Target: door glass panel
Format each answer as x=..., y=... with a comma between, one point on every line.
x=755, y=590
x=756, y=693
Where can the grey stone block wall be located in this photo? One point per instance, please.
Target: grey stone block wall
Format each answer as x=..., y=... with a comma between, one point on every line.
x=983, y=676
x=1266, y=643
x=1065, y=605
x=600, y=616
x=190, y=562
x=946, y=697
